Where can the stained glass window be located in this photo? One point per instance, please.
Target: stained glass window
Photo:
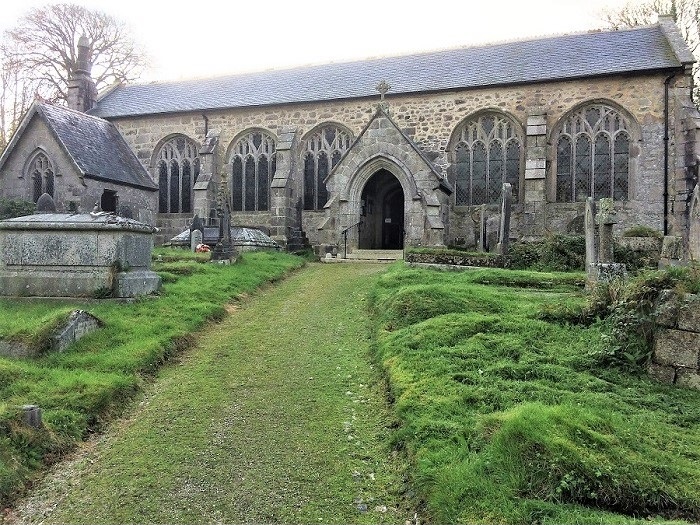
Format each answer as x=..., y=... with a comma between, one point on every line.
x=178, y=169
x=593, y=153
x=326, y=144
x=252, y=169
x=42, y=176
x=486, y=155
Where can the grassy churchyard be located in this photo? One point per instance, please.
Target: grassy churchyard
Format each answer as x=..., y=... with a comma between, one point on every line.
x=344, y=393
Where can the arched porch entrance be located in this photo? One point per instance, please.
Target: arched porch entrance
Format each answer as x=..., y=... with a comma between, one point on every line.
x=382, y=213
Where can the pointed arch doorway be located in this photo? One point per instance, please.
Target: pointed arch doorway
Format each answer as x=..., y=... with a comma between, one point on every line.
x=382, y=213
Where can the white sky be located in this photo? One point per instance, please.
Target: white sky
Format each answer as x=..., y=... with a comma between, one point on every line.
x=191, y=38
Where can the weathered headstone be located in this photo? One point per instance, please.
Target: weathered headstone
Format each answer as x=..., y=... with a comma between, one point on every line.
x=196, y=238
x=671, y=251
x=504, y=227
x=31, y=415
x=196, y=232
x=45, y=204
x=224, y=251
x=483, y=241
x=492, y=227
x=694, y=226
x=606, y=218
x=605, y=269
x=589, y=230
x=197, y=223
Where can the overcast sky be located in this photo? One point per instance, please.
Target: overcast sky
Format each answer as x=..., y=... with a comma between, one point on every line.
x=189, y=39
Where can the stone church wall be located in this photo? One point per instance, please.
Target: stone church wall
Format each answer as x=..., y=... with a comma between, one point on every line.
x=430, y=121
x=70, y=190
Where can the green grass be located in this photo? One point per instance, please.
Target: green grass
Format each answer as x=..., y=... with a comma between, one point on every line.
x=507, y=417
x=91, y=381
x=274, y=416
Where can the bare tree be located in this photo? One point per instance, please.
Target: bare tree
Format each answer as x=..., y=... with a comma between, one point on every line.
x=16, y=94
x=686, y=14
x=40, y=54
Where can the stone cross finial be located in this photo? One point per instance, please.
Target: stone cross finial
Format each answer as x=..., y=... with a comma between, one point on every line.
x=383, y=87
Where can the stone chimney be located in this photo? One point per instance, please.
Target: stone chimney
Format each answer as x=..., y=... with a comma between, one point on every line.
x=82, y=93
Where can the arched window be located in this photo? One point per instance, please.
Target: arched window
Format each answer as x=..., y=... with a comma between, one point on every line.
x=324, y=148
x=178, y=169
x=593, y=153
x=486, y=154
x=252, y=168
x=42, y=176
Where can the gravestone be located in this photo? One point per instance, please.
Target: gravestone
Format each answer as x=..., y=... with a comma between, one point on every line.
x=31, y=416
x=492, y=228
x=45, y=204
x=694, y=226
x=589, y=230
x=482, y=245
x=197, y=224
x=606, y=219
x=196, y=238
x=224, y=252
x=504, y=226
x=671, y=252
x=605, y=269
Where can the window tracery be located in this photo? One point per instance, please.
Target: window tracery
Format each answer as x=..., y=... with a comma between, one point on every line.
x=252, y=169
x=42, y=175
x=486, y=155
x=593, y=154
x=178, y=169
x=324, y=149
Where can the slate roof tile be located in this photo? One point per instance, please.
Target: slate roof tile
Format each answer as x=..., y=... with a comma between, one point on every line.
x=96, y=146
x=642, y=49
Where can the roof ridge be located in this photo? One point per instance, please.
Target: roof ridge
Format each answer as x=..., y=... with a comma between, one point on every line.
x=639, y=50
x=481, y=45
x=73, y=111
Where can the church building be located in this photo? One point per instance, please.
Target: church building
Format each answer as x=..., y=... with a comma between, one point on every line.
x=386, y=153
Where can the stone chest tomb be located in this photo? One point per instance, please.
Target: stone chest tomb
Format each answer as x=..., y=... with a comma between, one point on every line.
x=76, y=255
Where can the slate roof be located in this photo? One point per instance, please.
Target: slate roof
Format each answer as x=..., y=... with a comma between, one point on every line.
x=642, y=49
x=96, y=147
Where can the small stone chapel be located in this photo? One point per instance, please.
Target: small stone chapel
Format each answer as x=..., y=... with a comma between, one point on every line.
x=385, y=153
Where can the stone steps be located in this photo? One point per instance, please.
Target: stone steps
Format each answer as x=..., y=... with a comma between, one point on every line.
x=382, y=256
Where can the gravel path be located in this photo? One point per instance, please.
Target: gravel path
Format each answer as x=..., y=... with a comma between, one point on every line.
x=276, y=416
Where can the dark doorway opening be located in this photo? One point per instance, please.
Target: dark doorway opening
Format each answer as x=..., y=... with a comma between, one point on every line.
x=108, y=201
x=382, y=213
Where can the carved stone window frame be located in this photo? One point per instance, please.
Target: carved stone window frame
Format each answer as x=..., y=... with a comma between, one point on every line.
x=494, y=133
x=322, y=149
x=40, y=172
x=176, y=166
x=577, y=126
x=251, y=164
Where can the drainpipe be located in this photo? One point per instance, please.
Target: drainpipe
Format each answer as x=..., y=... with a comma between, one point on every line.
x=667, y=82
x=206, y=125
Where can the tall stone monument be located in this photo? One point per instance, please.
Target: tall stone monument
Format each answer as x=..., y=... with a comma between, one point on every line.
x=224, y=252
x=504, y=227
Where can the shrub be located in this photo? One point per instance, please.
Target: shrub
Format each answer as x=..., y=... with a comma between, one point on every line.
x=10, y=208
x=628, y=310
x=557, y=253
x=642, y=231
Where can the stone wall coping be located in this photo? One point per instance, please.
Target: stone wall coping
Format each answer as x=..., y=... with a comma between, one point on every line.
x=82, y=221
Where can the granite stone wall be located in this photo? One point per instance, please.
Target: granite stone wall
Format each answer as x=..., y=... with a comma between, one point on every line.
x=676, y=357
x=71, y=191
x=430, y=120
